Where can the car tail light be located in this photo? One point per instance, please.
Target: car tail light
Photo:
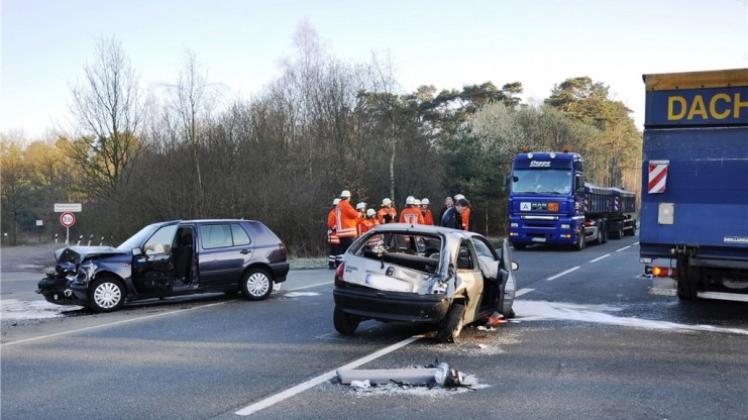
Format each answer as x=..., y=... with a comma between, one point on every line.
x=283, y=250
x=659, y=271
x=339, y=275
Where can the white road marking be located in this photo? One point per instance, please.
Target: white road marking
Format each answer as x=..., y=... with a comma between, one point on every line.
x=521, y=292
x=662, y=292
x=592, y=261
x=624, y=248
x=636, y=243
x=108, y=324
x=309, y=286
x=563, y=273
x=600, y=314
x=311, y=383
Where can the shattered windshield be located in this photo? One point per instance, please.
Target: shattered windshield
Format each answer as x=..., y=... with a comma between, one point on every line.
x=137, y=239
x=541, y=181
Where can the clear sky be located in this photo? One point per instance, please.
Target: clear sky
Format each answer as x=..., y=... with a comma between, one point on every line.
x=445, y=43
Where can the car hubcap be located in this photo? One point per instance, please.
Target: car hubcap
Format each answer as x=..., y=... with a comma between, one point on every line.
x=107, y=295
x=258, y=284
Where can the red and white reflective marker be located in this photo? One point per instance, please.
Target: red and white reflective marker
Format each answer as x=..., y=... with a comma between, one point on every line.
x=657, y=176
x=67, y=219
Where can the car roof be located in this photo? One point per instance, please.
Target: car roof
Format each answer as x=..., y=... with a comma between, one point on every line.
x=428, y=229
x=214, y=220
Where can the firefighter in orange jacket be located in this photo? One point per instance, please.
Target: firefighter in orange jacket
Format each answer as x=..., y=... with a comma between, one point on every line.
x=387, y=213
x=411, y=214
x=428, y=218
x=346, y=219
x=332, y=237
x=367, y=223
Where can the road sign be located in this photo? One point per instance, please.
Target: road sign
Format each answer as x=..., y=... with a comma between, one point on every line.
x=67, y=219
x=68, y=207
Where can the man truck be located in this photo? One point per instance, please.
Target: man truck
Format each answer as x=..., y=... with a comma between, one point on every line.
x=550, y=203
x=694, y=215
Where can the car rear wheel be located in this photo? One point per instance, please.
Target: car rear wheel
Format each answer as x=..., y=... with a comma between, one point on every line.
x=345, y=324
x=451, y=326
x=106, y=295
x=257, y=284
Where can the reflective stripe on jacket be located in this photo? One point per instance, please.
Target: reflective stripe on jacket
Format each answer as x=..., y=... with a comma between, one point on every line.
x=412, y=216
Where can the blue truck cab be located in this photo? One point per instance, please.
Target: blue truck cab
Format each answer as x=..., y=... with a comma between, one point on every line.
x=550, y=203
x=694, y=217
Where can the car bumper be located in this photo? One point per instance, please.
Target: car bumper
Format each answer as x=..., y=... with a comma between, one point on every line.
x=279, y=271
x=392, y=306
x=60, y=291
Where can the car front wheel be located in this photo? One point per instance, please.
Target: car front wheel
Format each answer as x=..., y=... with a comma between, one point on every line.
x=257, y=284
x=106, y=295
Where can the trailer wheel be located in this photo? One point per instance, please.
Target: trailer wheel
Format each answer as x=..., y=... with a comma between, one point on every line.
x=617, y=234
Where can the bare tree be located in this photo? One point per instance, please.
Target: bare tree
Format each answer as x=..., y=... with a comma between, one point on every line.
x=192, y=97
x=108, y=111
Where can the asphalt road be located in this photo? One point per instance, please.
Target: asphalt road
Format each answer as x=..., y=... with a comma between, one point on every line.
x=589, y=341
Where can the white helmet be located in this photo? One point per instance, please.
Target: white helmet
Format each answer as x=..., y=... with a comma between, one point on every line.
x=459, y=197
x=410, y=200
x=361, y=206
x=425, y=202
x=417, y=202
x=386, y=202
x=371, y=213
x=335, y=202
x=345, y=194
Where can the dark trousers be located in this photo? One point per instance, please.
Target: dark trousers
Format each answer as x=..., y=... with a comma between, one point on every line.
x=344, y=244
x=333, y=254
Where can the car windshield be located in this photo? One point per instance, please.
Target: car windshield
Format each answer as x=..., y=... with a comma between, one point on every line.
x=137, y=239
x=541, y=181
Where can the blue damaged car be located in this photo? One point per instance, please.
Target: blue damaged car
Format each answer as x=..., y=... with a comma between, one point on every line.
x=169, y=259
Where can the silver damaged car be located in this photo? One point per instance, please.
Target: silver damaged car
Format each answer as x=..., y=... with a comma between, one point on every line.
x=427, y=275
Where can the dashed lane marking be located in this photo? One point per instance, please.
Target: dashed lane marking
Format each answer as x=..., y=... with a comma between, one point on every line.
x=563, y=273
x=623, y=249
x=521, y=292
x=592, y=261
x=311, y=383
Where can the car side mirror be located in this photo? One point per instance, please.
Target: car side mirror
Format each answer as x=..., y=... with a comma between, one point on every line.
x=515, y=266
x=137, y=251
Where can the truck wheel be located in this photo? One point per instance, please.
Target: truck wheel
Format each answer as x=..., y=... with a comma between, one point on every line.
x=519, y=246
x=451, y=325
x=603, y=233
x=106, y=294
x=344, y=324
x=617, y=234
x=580, y=243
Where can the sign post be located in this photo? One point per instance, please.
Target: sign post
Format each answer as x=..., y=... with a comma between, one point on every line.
x=67, y=220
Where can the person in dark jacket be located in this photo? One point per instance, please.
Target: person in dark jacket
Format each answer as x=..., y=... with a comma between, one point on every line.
x=452, y=219
x=448, y=204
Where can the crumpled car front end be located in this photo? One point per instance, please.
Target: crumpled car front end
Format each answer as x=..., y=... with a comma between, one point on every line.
x=67, y=284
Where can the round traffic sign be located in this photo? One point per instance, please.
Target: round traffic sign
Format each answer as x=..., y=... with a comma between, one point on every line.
x=67, y=219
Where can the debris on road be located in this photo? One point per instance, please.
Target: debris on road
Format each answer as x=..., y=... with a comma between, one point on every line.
x=37, y=309
x=435, y=375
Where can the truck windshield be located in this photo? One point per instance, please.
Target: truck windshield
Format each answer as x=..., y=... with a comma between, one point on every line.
x=541, y=181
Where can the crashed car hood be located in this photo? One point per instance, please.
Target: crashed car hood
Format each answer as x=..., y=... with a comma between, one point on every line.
x=77, y=254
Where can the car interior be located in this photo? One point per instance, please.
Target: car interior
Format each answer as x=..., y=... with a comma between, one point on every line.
x=417, y=252
x=184, y=254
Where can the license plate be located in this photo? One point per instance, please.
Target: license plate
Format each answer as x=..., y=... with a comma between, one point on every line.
x=538, y=239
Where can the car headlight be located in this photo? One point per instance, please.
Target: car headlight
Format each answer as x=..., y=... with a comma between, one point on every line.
x=565, y=226
x=85, y=271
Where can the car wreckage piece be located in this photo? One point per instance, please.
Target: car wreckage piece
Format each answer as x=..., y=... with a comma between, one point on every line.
x=439, y=375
